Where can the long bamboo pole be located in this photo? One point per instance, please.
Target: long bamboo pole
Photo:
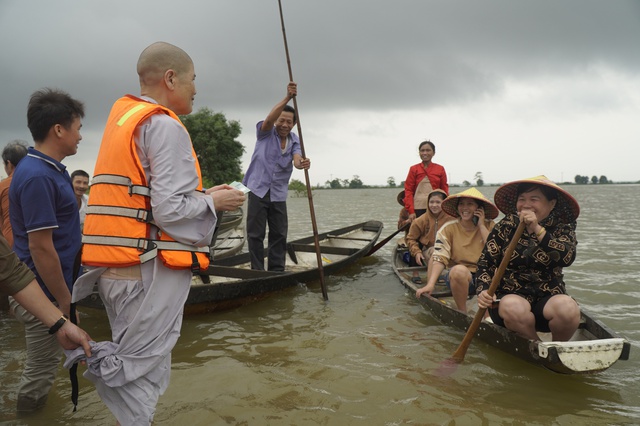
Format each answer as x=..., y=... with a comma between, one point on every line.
x=306, y=172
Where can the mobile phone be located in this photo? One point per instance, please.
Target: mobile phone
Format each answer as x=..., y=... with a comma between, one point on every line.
x=475, y=220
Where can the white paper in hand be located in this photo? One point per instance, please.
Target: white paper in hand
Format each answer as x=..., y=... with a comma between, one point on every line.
x=240, y=186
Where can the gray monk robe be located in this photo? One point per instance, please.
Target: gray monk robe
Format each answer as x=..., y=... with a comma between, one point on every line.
x=145, y=302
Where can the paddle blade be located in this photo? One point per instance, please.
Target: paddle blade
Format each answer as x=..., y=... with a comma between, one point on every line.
x=447, y=367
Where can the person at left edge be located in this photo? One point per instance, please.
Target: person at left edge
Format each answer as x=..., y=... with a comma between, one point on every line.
x=17, y=280
x=147, y=229
x=46, y=229
x=12, y=154
x=276, y=152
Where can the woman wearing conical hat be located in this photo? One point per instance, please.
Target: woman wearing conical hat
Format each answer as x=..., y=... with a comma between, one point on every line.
x=532, y=295
x=459, y=244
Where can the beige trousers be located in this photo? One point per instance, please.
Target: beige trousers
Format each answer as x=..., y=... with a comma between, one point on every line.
x=43, y=358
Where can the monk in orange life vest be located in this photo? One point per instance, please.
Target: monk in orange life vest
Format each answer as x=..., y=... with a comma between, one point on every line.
x=147, y=228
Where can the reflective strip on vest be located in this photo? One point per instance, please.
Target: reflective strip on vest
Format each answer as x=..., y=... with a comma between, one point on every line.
x=141, y=215
x=129, y=113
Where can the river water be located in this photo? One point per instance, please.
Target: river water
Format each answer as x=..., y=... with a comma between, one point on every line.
x=369, y=356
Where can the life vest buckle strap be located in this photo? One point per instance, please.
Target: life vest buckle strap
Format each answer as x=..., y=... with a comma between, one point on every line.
x=145, y=191
x=195, y=265
x=141, y=215
x=148, y=255
x=142, y=244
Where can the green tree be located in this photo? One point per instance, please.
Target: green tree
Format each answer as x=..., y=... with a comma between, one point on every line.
x=466, y=183
x=594, y=179
x=214, y=140
x=478, y=179
x=334, y=184
x=581, y=180
x=356, y=182
x=299, y=187
x=603, y=179
x=391, y=182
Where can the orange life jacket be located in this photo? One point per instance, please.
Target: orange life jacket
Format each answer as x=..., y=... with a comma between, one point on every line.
x=117, y=229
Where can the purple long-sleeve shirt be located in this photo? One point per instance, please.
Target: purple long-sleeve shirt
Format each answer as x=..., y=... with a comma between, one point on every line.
x=270, y=168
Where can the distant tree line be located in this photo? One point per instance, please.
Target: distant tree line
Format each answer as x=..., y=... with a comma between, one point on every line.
x=583, y=180
x=337, y=183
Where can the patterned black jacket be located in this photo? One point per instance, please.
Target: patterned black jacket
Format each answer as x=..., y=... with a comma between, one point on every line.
x=535, y=269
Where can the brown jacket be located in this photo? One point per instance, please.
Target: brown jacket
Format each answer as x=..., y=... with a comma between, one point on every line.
x=423, y=230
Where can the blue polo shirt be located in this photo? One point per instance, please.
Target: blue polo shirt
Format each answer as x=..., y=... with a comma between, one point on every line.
x=270, y=168
x=41, y=197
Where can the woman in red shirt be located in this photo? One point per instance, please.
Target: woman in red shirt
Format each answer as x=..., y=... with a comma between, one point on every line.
x=417, y=188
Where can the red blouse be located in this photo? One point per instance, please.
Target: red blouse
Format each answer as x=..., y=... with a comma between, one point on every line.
x=437, y=177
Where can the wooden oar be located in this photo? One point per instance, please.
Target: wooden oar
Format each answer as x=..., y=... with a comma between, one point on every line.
x=306, y=172
x=458, y=355
x=386, y=240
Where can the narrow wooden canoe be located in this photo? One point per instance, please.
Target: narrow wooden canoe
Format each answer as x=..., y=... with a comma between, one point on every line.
x=229, y=238
x=593, y=348
x=230, y=282
x=230, y=220
x=229, y=243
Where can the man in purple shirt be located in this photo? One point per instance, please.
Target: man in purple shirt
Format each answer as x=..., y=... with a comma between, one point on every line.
x=276, y=152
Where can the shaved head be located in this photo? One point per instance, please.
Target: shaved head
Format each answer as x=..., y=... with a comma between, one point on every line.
x=159, y=57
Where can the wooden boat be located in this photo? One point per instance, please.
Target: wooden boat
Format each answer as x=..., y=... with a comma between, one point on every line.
x=593, y=348
x=229, y=242
x=230, y=220
x=230, y=235
x=230, y=282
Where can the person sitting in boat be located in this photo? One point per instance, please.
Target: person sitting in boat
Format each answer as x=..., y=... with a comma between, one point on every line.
x=403, y=217
x=423, y=178
x=422, y=233
x=532, y=294
x=459, y=244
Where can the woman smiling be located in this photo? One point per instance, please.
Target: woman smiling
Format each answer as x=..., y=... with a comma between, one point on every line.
x=459, y=243
x=532, y=295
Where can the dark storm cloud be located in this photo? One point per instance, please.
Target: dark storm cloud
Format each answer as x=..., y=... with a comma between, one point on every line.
x=352, y=55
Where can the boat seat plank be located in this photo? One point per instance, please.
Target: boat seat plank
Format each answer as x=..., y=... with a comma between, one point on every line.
x=343, y=251
x=337, y=237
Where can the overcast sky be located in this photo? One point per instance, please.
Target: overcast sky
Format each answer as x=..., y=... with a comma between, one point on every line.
x=509, y=88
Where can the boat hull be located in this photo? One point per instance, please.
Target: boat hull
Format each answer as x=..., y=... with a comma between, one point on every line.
x=593, y=348
x=230, y=282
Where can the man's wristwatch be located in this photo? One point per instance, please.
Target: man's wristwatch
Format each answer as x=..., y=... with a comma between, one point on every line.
x=55, y=327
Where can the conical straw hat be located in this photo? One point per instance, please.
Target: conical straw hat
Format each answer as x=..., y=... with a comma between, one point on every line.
x=450, y=204
x=567, y=208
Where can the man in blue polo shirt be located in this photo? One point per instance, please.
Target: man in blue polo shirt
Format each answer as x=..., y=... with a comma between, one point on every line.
x=46, y=229
x=276, y=152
